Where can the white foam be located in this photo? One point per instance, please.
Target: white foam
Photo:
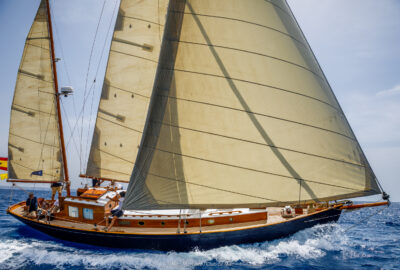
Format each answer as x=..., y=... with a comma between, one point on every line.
x=311, y=243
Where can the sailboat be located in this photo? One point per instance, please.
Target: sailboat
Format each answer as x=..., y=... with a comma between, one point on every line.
x=216, y=113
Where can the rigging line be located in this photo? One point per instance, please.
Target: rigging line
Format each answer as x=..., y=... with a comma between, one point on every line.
x=97, y=71
x=64, y=60
x=90, y=125
x=11, y=195
x=69, y=127
x=86, y=81
x=60, y=45
x=79, y=116
x=365, y=219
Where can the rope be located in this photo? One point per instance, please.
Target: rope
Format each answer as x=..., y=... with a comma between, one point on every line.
x=11, y=195
x=365, y=219
x=86, y=83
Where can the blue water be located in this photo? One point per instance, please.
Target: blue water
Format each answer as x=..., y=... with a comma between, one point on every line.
x=369, y=244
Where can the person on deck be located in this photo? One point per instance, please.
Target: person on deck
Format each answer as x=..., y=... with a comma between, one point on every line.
x=96, y=182
x=31, y=206
x=53, y=209
x=117, y=211
x=43, y=209
x=56, y=187
x=114, y=186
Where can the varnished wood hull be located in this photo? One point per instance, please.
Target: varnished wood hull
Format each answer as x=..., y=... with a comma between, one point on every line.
x=189, y=241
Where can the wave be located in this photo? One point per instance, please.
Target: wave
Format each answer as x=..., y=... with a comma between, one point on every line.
x=309, y=244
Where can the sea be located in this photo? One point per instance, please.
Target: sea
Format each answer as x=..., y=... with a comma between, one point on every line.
x=365, y=239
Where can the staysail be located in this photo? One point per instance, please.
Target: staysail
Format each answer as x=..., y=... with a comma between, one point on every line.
x=127, y=88
x=34, y=150
x=243, y=116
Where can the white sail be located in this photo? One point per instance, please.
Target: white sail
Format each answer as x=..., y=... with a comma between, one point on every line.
x=34, y=144
x=243, y=115
x=127, y=89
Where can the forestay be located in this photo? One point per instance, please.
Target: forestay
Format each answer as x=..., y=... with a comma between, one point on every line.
x=127, y=88
x=243, y=116
x=34, y=144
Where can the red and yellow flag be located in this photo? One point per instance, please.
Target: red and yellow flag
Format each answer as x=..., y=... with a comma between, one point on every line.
x=3, y=163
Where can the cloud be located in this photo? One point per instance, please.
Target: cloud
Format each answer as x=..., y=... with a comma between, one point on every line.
x=390, y=92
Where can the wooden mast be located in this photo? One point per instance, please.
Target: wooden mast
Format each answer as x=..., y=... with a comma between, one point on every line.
x=64, y=156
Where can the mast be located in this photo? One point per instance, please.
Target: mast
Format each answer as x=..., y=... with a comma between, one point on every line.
x=64, y=156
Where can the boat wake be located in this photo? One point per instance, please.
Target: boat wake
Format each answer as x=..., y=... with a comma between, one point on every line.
x=309, y=244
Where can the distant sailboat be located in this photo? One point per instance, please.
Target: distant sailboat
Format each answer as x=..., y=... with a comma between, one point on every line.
x=216, y=113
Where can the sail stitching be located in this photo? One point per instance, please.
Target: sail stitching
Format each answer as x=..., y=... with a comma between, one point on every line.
x=114, y=155
x=128, y=54
x=131, y=92
x=260, y=114
x=244, y=21
x=115, y=123
x=250, y=52
x=46, y=144
x=139, y=19
x=36, y=110
x=33, y=45
x=256, y=83
x=214, y=188
x=263, y=144
x=249, y=169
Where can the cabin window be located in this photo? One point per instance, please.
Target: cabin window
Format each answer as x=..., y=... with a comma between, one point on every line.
x=141, y=223
x=73, y=211
x=87, y=213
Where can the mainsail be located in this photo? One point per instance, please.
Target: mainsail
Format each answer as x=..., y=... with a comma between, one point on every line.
x=34, y=150
x=127, y=88
x=242, y=115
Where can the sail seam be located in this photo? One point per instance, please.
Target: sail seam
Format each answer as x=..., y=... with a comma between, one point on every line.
x=260, y=114
x=272, y=146
x=30, y=44
x=219, y=189
x=131, y=92
x=104, y=169
x=256, y=83
x=99, y=117
x=44, y=144
x=36, y=110
x=136, y=56
x=250, y=52
x=249, y=169
x=244, y=21
x=139, y=19
x=16, y=163
x=114, y=156
x=33, y=76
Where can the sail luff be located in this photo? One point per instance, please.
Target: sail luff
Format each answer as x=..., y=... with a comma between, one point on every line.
x=34, y=140
x=244, y=117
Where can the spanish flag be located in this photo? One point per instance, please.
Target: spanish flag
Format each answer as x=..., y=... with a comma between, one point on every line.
x=3, y=163
x=3, y=176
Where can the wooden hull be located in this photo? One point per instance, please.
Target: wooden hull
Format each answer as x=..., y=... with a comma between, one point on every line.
x=188, y=241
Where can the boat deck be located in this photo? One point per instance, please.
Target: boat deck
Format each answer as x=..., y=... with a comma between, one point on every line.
x=274, y=217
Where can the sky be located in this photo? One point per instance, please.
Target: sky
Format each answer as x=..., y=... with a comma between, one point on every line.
x=357, y=44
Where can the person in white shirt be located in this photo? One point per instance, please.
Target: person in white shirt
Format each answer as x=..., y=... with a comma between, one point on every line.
x=117, y=211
